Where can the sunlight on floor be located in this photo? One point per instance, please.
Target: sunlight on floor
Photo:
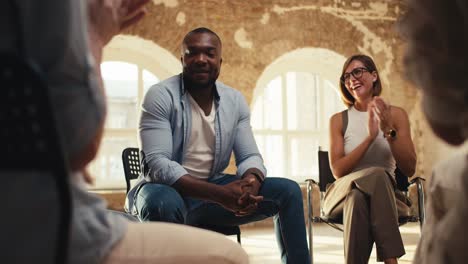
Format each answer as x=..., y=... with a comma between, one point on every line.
x=260, y=244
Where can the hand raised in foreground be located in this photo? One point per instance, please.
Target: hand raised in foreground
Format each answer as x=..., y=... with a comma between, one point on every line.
x=108, y=18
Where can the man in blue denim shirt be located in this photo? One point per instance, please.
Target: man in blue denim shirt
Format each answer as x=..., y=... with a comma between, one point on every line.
x=190, y=124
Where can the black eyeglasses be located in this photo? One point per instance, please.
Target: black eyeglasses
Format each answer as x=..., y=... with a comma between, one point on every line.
x=357, y=73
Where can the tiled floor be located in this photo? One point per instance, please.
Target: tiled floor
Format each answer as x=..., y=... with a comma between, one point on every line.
x=260, y=244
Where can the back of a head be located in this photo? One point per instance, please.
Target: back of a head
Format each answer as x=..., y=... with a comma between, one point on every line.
x=437, y=56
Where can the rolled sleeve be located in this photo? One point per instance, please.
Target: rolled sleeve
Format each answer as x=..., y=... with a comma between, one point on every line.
x=156, y=137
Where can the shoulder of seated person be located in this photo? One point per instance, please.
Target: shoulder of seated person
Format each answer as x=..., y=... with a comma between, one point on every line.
x=450, y=172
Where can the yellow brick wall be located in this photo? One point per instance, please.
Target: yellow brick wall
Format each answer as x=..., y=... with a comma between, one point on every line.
x=256, y=33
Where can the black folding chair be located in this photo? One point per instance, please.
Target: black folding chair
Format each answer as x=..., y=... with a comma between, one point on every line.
x=35, y=195
x=132, y=169
x=326, y=178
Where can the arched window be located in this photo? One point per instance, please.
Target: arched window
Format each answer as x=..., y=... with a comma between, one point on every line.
x=125, y=84
x=292, y=105
x=131, y=65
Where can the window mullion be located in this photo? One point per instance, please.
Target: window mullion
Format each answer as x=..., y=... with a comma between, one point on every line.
x=318, y=114
x=323, y=137
x=285, y=127
x=140, y=91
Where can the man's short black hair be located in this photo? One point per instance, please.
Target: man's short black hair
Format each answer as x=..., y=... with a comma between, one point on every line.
x=202, y=30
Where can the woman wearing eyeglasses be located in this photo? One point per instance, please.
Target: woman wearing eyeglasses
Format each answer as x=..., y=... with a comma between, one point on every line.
x=366, y=142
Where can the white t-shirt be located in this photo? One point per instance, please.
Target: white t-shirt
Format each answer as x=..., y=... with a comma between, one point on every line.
x=199, y=155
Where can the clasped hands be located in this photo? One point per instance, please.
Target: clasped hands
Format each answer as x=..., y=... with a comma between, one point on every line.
x=242, y=198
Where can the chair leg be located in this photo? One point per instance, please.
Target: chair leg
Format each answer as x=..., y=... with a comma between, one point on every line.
x=421, y=209
x=239, y=238
x=309, y=220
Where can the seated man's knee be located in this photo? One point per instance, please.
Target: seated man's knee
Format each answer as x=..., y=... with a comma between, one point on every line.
x=159, y=202
x=290, y=188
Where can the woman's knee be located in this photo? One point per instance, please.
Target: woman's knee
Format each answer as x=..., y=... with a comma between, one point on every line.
x=357, y=201
x=380, y=175
x=376, y=171
x=159, y=202
x=356, y=196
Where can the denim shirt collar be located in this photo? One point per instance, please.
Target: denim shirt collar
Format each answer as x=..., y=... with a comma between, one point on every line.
x=217, y=97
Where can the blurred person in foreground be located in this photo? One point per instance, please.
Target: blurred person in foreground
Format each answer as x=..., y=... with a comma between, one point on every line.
x=436, y=61
x=65, y=40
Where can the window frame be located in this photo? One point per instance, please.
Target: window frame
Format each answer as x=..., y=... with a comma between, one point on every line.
x=288, y=135
x=146, y=55
x=302, y=60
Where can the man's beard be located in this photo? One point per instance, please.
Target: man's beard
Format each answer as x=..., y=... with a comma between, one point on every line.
x=199, y=85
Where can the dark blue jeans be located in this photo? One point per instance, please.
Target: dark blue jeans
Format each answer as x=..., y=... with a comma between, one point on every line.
x=282, y=200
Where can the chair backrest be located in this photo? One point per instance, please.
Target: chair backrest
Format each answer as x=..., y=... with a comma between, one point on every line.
x=131, y=165
x=326, y=175
x=401, y=180
x=33, y=169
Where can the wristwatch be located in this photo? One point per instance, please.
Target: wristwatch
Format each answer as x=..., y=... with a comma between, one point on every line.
x=391, y=133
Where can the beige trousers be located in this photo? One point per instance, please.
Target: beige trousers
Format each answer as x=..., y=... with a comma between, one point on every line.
x=166, y=243
x=366, y=200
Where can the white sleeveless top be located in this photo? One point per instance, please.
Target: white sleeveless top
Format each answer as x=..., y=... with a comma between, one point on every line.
x=378, y=154
x=199, y=156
